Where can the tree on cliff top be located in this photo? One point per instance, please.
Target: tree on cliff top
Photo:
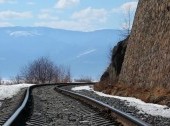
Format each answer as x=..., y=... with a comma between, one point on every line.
x=129, y=10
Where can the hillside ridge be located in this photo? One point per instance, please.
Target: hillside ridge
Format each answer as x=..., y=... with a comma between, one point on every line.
x=81, y=51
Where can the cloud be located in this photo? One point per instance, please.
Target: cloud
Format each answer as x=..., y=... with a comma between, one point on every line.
x=90, y=14
x=46, y=10
x=86, y=53
x=2, y=1
x=62, y=4
x=8, y=1
x=5, y=24
x=63, y=24
x=47, y=16
x=127, y=10
x=14, y=15
x=30, y=3
x=128, y=6
x=84, y=20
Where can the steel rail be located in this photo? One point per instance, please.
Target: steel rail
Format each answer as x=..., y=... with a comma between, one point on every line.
x=133, y=120
x=13, y=118
x=19, y=110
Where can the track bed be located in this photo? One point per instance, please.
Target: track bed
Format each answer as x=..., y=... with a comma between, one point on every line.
x=51, y=108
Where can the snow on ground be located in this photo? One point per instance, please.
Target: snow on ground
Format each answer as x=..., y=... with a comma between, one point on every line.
x=149, y=108
x=8, y=91
x=6, y=81
x=81, y=88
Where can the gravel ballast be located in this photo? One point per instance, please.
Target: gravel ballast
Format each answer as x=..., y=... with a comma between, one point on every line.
x=54, y=109
x=121, y=105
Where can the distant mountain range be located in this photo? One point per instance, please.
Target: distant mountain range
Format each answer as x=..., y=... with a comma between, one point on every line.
x=85, y=52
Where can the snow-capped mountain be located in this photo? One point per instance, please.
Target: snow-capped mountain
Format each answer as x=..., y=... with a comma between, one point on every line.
x=85, y=52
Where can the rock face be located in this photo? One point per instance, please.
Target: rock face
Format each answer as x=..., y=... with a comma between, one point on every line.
x=147, y=59
x=118, y=55
x=111, y=75
x=145, y=72
x=117, y=59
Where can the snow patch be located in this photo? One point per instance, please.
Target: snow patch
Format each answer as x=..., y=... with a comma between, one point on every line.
x=23, y=33
x=149, y=108
x=5, y=81
x=81, y=88
x=8, y=91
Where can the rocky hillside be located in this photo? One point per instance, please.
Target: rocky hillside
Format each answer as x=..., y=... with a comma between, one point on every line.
x=145, y=72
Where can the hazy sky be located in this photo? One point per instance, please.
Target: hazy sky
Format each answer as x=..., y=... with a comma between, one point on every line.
x=83, y=15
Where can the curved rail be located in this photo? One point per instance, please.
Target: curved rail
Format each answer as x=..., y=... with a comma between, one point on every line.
x=125, y=118
x=20, y=110
x=128, y=119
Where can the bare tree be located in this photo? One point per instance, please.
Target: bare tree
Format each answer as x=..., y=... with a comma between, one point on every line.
x=84, y=79
x=17, y=79
x=68, y=75
x=43, y=70
x=128, y=20
x=0, y=80
x=62, y=74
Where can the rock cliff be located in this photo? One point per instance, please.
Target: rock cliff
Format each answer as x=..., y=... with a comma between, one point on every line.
x=145, y=72
x=147, y=60
x=111, y=75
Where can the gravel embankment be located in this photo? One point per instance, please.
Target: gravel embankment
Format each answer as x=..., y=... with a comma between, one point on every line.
x=120, y=104
x=55, y=109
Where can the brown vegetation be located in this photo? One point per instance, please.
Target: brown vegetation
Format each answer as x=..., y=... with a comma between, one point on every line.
x=158, y=95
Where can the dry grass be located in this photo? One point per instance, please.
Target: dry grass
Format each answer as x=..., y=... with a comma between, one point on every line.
x=103, y=86
x=159, y=95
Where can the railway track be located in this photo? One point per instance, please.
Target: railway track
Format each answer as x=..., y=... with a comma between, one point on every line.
x=52, y=106
x=10, y=106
